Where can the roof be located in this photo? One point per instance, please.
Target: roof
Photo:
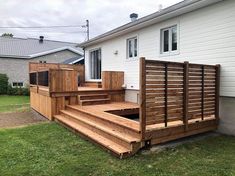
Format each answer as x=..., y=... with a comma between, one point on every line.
x=73, y=60
x=167, y=13
x=27, y=48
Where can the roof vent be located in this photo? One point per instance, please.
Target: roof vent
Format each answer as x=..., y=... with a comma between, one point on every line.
x=41, y=39
x=133, y=17
x=160, y=7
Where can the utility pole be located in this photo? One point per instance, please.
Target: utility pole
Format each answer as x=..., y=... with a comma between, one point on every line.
x=87, y=29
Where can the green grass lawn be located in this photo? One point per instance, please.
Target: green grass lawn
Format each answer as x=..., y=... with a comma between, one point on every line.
x=13, y=103
x=49, y=149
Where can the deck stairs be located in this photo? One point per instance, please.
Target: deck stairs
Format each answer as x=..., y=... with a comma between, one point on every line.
x=116, y=134
x=93, y=99
x=93, y=84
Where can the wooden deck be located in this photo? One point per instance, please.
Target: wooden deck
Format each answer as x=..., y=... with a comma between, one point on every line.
x=176, y=100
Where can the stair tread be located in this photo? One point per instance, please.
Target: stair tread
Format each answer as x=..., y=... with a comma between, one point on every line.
x=121, y=135
x=130, y=124
x=93, y=95
x=93, y=100
x=116, y=148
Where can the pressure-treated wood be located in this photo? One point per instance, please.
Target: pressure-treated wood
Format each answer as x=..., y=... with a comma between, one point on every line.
x=176, y=100
x=119, y=135
x=63, y=80
x=142, y=114
x=112, y=80
x=180, y=99
x=38, y=67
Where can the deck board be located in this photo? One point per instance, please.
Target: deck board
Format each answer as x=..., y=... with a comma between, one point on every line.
x=100, y=110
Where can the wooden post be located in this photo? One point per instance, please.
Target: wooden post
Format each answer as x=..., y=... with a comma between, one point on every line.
x=186, y=92
x=142, y=113
x=166, y=94
x=217, y=92
x=202, y=98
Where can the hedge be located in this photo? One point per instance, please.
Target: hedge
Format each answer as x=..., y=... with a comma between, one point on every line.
x=17, y=91
x=7, y=89
x=3, y=83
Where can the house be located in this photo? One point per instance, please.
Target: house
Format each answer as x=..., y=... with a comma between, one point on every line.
x=153, y=80
x=198, y=31
x=16, y=53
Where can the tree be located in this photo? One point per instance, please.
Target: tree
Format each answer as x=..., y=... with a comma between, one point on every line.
x=7, y=35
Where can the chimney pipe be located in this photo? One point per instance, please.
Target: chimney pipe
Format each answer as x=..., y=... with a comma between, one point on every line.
x=41, y=39
x=133, y=17
x=160, y=7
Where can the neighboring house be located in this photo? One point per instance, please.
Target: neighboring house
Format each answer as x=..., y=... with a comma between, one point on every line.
x=198, y=31
x=16, y=53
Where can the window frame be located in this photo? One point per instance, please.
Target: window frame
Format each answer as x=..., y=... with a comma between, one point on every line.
x=133, y=50
x=90, y=74
x=170, y=51
x=17, y=84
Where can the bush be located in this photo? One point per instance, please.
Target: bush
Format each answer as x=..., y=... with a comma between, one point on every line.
x=6, y=88
x=17, y=91
x=3, y=83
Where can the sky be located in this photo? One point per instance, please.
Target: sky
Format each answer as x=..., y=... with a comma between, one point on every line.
x=103, y=15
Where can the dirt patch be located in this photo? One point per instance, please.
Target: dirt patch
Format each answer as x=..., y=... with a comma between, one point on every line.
x=17, y=119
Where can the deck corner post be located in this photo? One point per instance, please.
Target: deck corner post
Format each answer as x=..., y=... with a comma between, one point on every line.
x=166, y=95
x=142, y=113
x=217, y=92
x=186, y=94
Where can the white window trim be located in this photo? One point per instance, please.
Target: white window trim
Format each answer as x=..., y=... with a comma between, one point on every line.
x=89, y=75
x=127, y=49
x=170, y=52
x=17, y=83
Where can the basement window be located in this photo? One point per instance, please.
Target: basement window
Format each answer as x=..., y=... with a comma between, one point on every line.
x=169, y=40
x=132, y=50
x=17, y=84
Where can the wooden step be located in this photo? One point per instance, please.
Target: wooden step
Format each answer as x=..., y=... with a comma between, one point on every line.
x=93, y=84
x=107, y=118
x=93, y=96
x=94, y=101
x=121, y=136
x=99, y=139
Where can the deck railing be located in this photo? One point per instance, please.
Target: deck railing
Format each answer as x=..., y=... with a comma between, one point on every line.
x=57, y=77
x=171, y=91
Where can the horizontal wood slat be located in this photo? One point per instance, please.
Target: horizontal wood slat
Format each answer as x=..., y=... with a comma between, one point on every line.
x=178, y=91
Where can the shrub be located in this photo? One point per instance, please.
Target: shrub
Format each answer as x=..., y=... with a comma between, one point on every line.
x=3, y=83
x=17, y=91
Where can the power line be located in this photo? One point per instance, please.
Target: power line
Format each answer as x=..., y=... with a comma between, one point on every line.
x=34, y=27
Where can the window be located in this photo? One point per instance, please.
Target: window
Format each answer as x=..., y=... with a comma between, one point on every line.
x=95, y=64
x=169, y=40
x=17, y=84
x=132, y=47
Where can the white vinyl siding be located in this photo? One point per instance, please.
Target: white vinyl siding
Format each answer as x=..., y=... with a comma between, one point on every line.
x=205, y=36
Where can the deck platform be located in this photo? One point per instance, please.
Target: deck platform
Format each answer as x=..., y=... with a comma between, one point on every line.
x=184, y=102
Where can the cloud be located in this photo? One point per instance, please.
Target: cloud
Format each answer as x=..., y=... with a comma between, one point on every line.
x=103, y=15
